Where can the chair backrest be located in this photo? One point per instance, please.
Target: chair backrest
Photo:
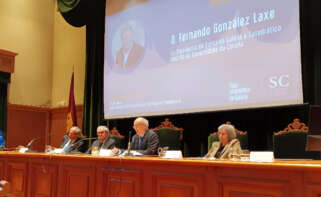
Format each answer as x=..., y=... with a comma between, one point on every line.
x=120, y=141
x=169, y=135
x=291, y=141
x=240, y=135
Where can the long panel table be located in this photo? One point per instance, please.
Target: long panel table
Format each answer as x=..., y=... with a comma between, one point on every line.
x=43, y=175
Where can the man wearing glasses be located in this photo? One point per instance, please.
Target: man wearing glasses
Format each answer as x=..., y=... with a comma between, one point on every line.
x=145, y=141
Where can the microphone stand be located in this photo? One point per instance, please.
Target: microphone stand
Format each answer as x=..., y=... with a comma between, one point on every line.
x=129, y=145
x=29, y=144
x=76, y=144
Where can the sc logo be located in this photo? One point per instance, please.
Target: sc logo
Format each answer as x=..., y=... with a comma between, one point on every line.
x=279, y=81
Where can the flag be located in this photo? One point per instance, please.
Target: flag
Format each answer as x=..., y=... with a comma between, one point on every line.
x=71, y=114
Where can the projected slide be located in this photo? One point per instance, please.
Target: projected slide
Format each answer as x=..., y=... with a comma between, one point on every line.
x=183, y=56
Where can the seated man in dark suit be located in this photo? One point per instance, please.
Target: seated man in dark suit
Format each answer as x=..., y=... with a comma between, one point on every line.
x=103, y=141
x=145, y=141
x=74, y=143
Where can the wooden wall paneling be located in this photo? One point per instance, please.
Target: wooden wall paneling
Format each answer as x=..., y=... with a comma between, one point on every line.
x=47, y=129
x=26, y=123
x=48, y=125
x=211, y=186
x=248, y=190
x=172, y=184
x=180, y=180
x=59, y=123
x=233, y=182
x=58, y=126
x=312, y=183
x=17, y=176
x=313, y=190
x=43, y=179
x=2, y=168
x=77, y=181
x=35, y=175
x=119, y=182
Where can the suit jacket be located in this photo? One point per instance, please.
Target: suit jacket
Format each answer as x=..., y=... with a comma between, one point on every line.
x=133, y=56
x=150, y=143
x=78, y=146
x=109, y=143
x=233, y=145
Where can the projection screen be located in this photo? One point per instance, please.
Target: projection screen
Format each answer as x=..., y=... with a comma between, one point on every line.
x=185, y=56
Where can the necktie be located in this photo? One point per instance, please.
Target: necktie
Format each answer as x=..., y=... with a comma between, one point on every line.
x=66, y=147
x=140, y=142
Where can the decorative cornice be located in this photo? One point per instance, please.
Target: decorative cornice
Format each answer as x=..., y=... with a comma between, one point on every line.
x=7, y=59
x=28, y=108
x=40, y=108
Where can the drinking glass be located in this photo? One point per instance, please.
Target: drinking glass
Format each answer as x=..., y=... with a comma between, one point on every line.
x=48, y=149
x=94, y=150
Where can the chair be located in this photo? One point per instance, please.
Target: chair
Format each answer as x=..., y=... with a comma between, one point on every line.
x=119, y=139
x=291, y=141
x=240, y=135
x=169, y=135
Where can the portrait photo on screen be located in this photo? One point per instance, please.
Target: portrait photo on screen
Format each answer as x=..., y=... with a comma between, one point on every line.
x=128, y=47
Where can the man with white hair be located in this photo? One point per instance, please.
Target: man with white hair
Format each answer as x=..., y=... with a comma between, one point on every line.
x=74, y=143
x=145, y=140
x=103, y=141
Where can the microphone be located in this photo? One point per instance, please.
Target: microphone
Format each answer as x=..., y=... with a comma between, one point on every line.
x=28, y=146
x=35, y=139
x=30, y=142
x=129, y=145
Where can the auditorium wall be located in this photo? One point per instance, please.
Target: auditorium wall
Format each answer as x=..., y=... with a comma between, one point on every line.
x=69, y=52
x=47, y=125
x=27, y=29
x=48, y=48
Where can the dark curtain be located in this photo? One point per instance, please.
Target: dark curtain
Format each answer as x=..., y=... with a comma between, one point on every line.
x=4, y=81
x=65, y=6
x=93, y=97
x=75, y=12
x=92, y=14
x=311, y=51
